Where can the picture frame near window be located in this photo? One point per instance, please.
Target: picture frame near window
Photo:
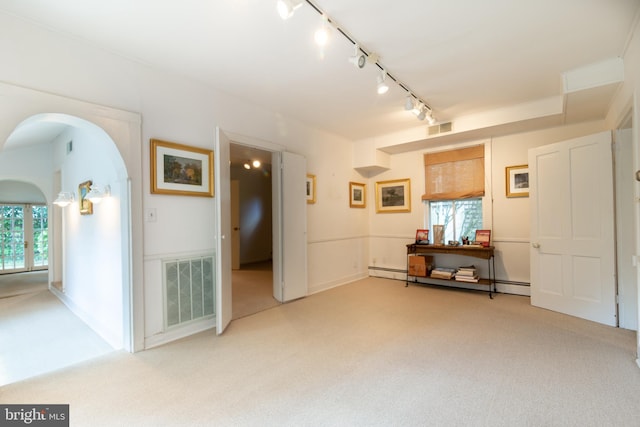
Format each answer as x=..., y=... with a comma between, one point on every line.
x=422, y=236
x=517, y=179
x=311, y=188
x=393, y=196
x=86, y=206
x=357, y=195
x=483, y=237
x=180, y=169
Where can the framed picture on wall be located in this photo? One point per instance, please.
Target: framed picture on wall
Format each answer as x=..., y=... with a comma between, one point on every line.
x=393, y=196
x=86, y=207
x=311, y=188
x=517, y=178
x=357, y=195
x=180, y=169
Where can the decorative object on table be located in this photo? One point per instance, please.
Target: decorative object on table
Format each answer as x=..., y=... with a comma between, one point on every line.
x=393, y=196
x=357, y=195
x=465, y=240
x=311, y=188
x=422, y=237
x=517, y=179
x=483, y=237
x=438, y=234
x=86, y=206
x=453, y=243
x=180, y=169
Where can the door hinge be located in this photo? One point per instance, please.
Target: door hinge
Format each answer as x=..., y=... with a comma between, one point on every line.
x=617, y=299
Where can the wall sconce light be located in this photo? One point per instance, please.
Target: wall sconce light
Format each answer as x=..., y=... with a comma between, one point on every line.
x=64, y=198
x=97, y=193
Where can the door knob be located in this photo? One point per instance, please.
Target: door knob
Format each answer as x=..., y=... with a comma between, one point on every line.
x=535, y=245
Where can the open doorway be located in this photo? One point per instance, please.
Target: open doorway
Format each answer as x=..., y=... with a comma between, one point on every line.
x=251, y=231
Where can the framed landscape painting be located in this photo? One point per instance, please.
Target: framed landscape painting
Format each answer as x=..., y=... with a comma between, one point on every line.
x=393, y=196
x=180, y=169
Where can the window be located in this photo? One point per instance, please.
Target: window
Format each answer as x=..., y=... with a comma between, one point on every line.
x=460, y=218
x=24, y=237
x=454, y=186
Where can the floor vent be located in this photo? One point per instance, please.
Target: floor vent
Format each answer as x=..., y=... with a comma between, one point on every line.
x=189, y=290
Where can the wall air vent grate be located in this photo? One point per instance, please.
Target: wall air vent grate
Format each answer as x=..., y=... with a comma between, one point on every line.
x=440, y=128
x=189, y=290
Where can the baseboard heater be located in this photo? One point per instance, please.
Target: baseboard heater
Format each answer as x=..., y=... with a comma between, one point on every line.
x=188, y=289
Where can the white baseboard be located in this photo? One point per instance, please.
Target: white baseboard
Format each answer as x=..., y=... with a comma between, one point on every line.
x=179, y=332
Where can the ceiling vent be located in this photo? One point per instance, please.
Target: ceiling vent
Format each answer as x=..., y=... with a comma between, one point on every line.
x=439, y=128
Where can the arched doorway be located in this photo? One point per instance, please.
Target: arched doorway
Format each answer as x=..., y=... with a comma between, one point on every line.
x=89, y=253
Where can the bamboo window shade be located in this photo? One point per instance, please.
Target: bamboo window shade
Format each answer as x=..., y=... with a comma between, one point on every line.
x=454, y=174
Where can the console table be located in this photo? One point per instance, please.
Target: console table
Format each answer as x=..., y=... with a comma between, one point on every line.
x=470, y=251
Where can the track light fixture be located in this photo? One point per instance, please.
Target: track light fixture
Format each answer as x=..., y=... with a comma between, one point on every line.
x=383, y=87
x=287, y=7
x=361, y=56
x=358, y=59
x=408, y=103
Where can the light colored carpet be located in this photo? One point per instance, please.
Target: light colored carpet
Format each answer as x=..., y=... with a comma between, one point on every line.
x=38, y=334
x=370, y=353
x=23, y=283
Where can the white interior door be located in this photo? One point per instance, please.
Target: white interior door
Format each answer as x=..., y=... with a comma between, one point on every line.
x=572, y=228
x=223, y=231
x=289, y=226
x=235, y=224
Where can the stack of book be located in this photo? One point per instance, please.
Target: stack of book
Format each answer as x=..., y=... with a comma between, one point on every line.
x=467, y=274
x=443, y=273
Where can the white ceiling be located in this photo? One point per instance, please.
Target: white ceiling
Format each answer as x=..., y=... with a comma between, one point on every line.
x=463, y=57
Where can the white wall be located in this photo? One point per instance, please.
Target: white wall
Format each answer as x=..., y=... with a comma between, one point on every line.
x=92, y=243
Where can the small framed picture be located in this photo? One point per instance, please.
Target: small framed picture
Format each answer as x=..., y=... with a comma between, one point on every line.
x=357, y=195
x=86, y=207
x=517, y=178
x=393, y=196
x=483, y=237
x=311, y=188
x=422, y=237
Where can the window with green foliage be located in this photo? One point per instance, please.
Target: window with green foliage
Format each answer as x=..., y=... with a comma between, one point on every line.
x=460, y=218
x=24, y=237
x=11, y=237
x=40, y=218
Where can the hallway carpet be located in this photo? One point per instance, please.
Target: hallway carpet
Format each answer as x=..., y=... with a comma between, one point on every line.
x=39, y=334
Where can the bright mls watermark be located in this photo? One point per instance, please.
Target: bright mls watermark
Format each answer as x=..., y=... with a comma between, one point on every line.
x=34, y=415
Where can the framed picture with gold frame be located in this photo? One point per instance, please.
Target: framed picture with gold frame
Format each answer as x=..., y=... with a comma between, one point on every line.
x=517, y=178
x=86, y=207
x=311, y=188
x=393, y=196
x=181, y=169
x=357, y=195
